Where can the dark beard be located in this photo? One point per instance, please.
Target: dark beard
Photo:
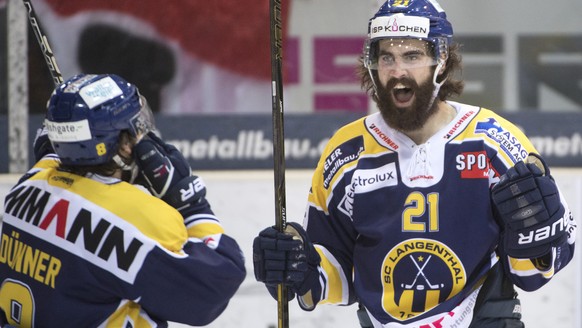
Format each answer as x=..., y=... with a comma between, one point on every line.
x=413, y=117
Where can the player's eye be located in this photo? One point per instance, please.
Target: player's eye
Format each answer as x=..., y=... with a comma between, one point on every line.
x=386, y=59
x=413, y=57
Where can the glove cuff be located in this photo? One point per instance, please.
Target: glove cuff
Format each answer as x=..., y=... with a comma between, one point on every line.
x=311, y=281
x=309, y=299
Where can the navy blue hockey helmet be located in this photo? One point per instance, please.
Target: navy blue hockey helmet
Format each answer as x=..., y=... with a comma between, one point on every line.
x=87, y=113
x=399, y=19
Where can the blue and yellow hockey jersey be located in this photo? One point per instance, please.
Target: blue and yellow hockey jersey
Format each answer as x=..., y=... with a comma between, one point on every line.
x=98, y=252
x=408, y=230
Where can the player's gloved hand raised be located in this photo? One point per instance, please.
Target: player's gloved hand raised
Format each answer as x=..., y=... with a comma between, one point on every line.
x=527, y=202
x=161, y=165
x=164, y=171
x=287, y=258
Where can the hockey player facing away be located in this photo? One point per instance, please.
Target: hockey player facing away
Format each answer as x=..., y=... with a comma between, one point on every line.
x=429, y=212
x=83, y=247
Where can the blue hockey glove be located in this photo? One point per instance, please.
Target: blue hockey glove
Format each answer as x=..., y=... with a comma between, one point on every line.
x=527, y=202
x=164, y=171
x=42, y=145
x=287, y=258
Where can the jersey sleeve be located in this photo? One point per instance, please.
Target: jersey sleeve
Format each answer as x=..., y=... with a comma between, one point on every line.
x=327, y=219
x=187, y=275
x=200, y=221
x=197, y=282
x=194, y=287
x=184, y=278
x=510, y=145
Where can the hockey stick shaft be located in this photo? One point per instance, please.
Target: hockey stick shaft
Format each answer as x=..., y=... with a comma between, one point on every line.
x=276, y=41
x=44, y=44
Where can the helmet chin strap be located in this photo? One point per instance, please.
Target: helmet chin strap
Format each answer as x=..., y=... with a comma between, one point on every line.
x=127, y=168
x=373, y=81
x=437, y=85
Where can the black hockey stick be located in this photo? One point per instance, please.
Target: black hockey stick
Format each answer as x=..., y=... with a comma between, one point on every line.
x=44, y=44
x=278, y=143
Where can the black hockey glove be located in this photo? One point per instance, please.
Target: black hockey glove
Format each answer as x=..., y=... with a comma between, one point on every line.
x=164, y=171
x=527, y=202
x=42, y=145
x=287, y=258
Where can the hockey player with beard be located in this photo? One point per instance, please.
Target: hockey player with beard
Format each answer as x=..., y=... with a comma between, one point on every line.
x=429, y=212
x=84, y=247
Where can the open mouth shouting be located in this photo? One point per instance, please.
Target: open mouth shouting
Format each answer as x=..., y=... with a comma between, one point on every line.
x=404, y=103
x=402, y=95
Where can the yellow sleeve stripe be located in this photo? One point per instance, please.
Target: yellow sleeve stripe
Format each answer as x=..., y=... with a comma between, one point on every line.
x=47, y=162
x=336, y=289
x=525, y=267
x=203, y=228
x=129, y=312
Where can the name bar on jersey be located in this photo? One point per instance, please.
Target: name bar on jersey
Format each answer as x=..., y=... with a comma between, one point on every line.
x=62, y=223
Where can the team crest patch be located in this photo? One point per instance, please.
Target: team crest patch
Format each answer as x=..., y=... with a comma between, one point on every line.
x=417, y=275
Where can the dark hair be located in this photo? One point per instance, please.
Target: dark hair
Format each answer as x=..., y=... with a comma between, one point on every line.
x=450, y=87
x=105, y=169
